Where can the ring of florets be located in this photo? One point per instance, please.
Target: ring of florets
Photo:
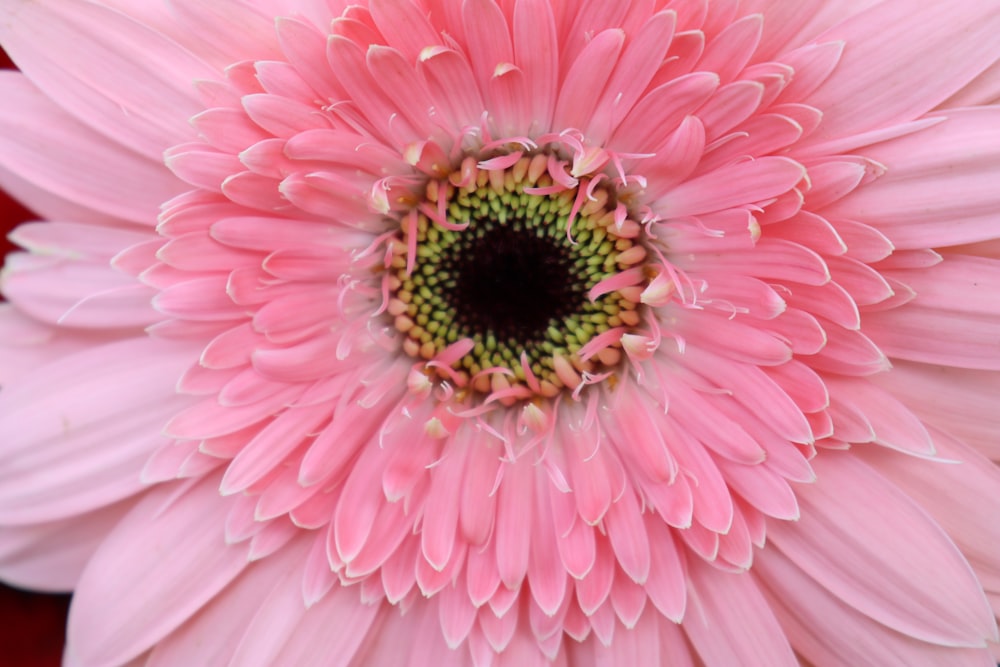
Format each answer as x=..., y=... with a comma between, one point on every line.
x=510, y=283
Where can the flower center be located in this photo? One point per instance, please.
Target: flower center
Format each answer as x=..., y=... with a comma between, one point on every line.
x=516, y=272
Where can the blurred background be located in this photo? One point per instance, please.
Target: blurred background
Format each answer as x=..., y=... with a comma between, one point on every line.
x=32, y=626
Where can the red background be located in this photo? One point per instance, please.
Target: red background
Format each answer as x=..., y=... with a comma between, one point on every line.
x=31, y=625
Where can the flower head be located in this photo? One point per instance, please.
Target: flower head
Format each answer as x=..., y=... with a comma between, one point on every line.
x=504, y=332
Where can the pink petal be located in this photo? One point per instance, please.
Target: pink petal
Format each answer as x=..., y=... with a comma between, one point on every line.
x=742, y=183
x=536, y=50
x=958, y=156
x=730, y=622
x=826, y=631
x=226, y=31
x=96, y=81
x=971, y=524
x=641, y=57
x=488, y=38
x=175, y=582
x=452, y=83
x=952, y=321
x=266, y=451
x=50, y=556
x=959, y=401
x=404, y=26
x=895, y=565
x=892, y=422
x=872, y=84
x=76, y=293
x=590, y=70
x=215, y=631
x=729, y=51
x=659, y=111
x=79, y=430
x=511, y=537
x=45, y=146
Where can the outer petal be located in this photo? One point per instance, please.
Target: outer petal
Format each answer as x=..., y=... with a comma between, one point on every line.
x=828, y=632
x=729, y=621
x=878, y=551
x=96, y=79
x=891, y=46
x=962, y=402
x=163, y=562
x=78, y=431
x=45, y=146
x=50, y=556
x=941, y=185
x=953, y=320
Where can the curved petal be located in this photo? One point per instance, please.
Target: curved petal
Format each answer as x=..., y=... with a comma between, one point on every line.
x=53, y=152
x=96, y=80
x=50, y=556
x=873, y=547
x=77, y=431
x=940, y=185
x=159, y=565
x=889, y=47
x=827, y=631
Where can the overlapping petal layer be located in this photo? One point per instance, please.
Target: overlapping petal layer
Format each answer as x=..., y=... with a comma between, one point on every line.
x=225, y=408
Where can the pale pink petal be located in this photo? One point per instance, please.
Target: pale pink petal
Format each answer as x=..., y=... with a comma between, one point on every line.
x=175, y=581
x=959, y=155
x=95, y=82
x=757, y=179
x=92, y=435
x=78, y=294
x=536, y=51
x=866, y=89
x=730, y=622
x=972, y=525
x=731, y=49
x=935, y=596
x=659, y=112
x=214, y=632
x=827, y=631
x=56, y=153
x=50, y=556
x=953, y=299
x=225, y=31
x=959, y=401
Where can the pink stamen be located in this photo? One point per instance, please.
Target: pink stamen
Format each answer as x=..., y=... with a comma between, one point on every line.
x=384, y=288
x=411, y=241
x=547, y=190
x=447, y=370
x=529, y=377
x=455, y=351
x=592, y=185
x=588, y=379
x=557, y=170
x=370, y=248
x=501, y=162
x=480, y=409
x=439, y=219
x=627, y=278
x=524, y=142
x=578, y=202
x=515, y=392
x=492, y=370
x=601, y=341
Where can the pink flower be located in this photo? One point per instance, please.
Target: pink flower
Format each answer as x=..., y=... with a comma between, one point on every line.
x=442, y=333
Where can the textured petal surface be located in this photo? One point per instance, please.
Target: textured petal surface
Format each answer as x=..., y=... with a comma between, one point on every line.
x=177, y=564
x=520, y=332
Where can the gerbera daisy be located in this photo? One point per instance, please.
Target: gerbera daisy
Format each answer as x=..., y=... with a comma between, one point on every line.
x=448, y=332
